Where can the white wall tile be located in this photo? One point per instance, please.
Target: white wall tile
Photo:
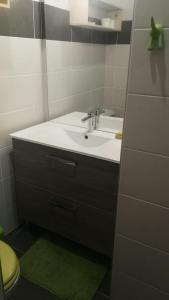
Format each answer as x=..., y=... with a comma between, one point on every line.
x=117, y=55
x=87, y=79
x=82, y=102
x=115, y=99
x=109, y=76
x=60, y=107
x=120, y=79
x=81, y=54
x=87, y=54
x=88, y=101
x=81, y=80
x=59, y=55
x=14, y=121
x=19, y=92
x=64, y=55
x=110, y=54
x=21, y=105
x=98, y=54
x=97, y=77
x=20, y=56
x=116, y=77
x=97, y=98
x=59, y=85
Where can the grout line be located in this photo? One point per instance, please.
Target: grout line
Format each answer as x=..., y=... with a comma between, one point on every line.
x=18, y=110
x=146, y=152
x=78, y=94
x=144, y=201
x=146, y=28
x=143, y=282
x=149, y=96
x=8, y=76
x=142, y=244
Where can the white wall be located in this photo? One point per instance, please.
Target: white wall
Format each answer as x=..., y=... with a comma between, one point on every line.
x=21, y=105
x=63, y=4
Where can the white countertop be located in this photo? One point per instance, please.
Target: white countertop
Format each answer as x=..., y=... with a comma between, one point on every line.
x=98, y=144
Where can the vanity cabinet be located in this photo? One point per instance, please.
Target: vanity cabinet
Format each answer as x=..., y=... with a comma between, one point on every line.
x=68, y=193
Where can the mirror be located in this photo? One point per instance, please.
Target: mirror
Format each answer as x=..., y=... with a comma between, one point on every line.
x=87, y=65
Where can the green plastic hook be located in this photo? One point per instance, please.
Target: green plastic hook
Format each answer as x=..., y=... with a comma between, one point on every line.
x=156, y=37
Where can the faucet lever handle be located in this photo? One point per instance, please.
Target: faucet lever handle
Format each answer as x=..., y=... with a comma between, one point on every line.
x=99, y=111
x=89, y=116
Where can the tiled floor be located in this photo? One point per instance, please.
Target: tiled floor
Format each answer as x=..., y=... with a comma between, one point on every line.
x=21, y=240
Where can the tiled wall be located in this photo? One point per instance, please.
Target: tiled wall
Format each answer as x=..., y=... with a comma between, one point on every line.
x=76, y=60
x=21, y=99
x=141, y=260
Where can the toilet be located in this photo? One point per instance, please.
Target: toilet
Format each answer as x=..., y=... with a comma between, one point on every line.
x=9, y=270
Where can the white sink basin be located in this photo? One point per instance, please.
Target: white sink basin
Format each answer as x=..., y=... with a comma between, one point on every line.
x=107, y=124
x=97, y=144
x=89, y=140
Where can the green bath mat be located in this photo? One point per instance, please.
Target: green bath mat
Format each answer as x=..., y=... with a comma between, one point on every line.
x=65, y=270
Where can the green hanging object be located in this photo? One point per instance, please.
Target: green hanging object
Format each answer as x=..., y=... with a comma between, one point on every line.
x=1, y=232
x=156, y=37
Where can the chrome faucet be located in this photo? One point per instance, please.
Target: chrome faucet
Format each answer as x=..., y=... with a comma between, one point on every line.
x=91, y=121
x=98, y=112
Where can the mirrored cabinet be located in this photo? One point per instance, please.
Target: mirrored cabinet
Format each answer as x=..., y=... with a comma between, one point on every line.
x=103, y=15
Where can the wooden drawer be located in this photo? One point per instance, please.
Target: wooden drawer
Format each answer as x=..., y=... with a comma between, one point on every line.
x=96, y=229
x=63, y=215
x=86, y=225
x=88, y=180
x=90, y=196
x=91, y=181
x=90, y=171
x=83, y=224
x=32, y=204
x=30, y=161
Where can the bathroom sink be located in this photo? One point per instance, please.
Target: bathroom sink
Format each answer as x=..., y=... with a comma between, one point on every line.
x=87, y=139
x=98, y=144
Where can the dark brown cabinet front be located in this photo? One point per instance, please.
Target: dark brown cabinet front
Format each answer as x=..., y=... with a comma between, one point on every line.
x=67, y=193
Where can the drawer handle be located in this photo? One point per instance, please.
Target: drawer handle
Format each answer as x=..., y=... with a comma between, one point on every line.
x=62, y=161
x=58, y=204
x=62, y=166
